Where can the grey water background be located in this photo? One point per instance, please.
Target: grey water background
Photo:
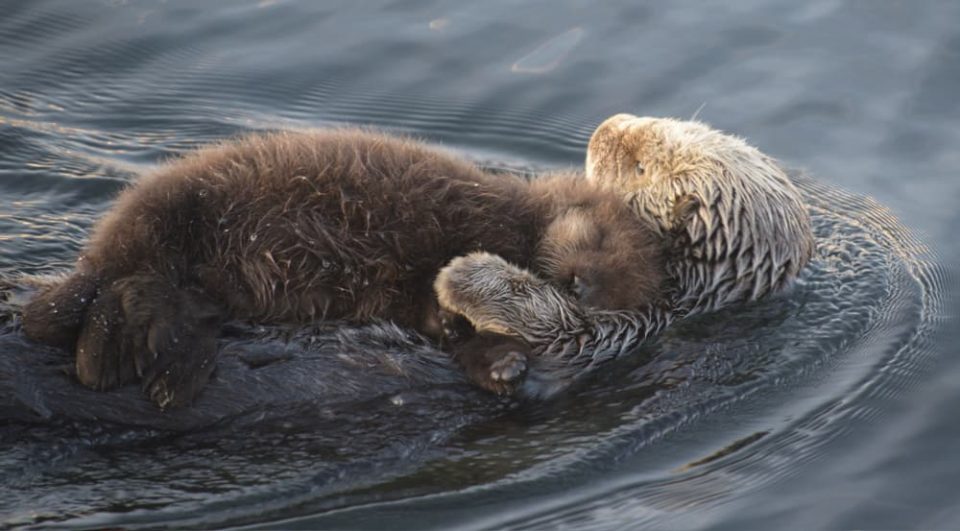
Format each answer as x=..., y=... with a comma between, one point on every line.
x=852, y=418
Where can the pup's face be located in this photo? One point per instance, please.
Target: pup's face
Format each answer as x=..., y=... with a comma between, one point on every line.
x=630, y=152
x=594, y=254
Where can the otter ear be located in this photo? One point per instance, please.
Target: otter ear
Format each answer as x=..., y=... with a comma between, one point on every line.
x=684, y=209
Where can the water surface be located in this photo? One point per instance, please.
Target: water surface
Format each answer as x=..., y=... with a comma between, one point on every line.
x=830, y=407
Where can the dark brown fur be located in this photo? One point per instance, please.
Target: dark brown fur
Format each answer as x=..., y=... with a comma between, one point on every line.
x=296, y=227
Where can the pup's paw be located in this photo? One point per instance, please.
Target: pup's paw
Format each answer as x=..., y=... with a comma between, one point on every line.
x=142, y=326
x=507, y=372
x=494, y=362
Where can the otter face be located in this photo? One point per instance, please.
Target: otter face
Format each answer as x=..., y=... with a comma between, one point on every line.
x=731, y=210
x=629, y=152
x=598, y=256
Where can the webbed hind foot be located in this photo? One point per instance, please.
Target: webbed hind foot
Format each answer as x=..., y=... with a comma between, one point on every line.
x=143, y=326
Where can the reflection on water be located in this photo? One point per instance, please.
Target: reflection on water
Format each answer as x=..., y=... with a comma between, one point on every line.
x=797, y=409
x=549, y=54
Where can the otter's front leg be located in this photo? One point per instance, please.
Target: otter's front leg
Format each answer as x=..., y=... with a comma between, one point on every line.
x=517, y=317
x=563, y=339
x=145, y=326
x=501, y=298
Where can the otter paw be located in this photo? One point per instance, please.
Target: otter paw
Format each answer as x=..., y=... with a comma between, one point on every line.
x=492, y=294
x=103, y=359
x=494, y=362
x=179, y=350
x=507, y=372
x=456, y=328
x=142, y=326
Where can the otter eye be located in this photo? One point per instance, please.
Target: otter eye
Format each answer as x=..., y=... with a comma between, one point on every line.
x=639, y=168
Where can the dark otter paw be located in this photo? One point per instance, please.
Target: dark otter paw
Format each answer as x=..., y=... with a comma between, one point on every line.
x=180, y=350
x=104, y=343
x=455, y=328
x=507, y=372
x=143, y=326
x=494, y=362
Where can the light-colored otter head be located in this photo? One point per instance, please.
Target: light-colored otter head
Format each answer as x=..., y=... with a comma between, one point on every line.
x=750, y=232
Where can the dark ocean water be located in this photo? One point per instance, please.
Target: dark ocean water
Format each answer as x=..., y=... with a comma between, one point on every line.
x=833, y=406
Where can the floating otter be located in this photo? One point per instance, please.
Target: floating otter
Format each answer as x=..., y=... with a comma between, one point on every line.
x=738, y=227
x=340, y=225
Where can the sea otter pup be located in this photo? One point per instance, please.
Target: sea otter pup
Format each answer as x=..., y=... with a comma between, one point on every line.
x=342, y=224
x=738, y=227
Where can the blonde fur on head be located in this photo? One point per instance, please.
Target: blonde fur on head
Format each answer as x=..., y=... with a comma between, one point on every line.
x=750, y=235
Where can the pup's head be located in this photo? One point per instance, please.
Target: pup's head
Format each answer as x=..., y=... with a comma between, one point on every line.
x=603, y=255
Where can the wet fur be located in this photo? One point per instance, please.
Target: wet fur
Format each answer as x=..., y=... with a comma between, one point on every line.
x=296, y=227
x=738, y=230
x=749, y=234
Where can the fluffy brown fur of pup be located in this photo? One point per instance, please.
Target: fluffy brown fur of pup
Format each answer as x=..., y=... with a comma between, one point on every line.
x=302, y=226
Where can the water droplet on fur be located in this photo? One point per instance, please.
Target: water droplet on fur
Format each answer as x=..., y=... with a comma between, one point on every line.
x=202, y=193
x=253, y=237
x=396, y=400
